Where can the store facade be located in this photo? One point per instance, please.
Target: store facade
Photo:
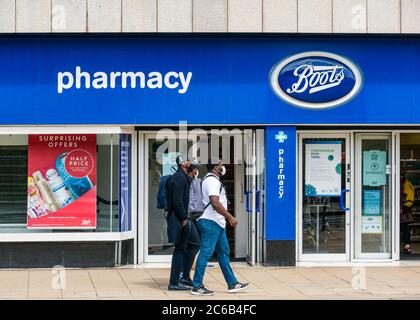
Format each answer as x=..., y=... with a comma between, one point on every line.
x=315, y=132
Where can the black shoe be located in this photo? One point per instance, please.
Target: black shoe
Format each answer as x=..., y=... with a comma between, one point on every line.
x=177, y=287
x=201, y=291
x=238, y=287
x=187, y=283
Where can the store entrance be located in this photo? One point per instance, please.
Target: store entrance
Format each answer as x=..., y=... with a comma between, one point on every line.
x=346, y=196
x=324, y=197
x=410, y=196
x=374, y=200
x=242, y=151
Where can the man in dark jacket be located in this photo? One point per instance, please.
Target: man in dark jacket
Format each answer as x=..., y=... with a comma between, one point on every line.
x=181, y=231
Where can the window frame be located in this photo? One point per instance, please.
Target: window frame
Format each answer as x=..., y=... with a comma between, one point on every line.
x=86, y=235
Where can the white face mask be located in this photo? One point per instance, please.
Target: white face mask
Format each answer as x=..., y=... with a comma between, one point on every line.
x=223, y=172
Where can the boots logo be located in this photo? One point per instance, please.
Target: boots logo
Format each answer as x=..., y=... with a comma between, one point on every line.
x=316, y=80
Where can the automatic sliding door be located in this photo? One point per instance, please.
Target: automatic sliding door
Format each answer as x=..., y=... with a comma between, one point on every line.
x=254, y=179
x=324, y=197
x=373, y=214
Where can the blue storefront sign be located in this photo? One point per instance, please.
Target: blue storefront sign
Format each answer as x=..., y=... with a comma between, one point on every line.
x=281, y=183
x=316, y=80
x=117, y=80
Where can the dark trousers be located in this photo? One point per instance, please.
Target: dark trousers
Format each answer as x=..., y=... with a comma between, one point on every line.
x=405, y=230
x=187, y=245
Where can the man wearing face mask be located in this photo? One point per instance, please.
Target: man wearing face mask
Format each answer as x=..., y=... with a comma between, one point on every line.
x=181, y=231
x=212, y=224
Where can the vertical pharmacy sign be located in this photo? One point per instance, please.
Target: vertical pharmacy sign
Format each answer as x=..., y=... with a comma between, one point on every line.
x=62, y=181
x=280, y=183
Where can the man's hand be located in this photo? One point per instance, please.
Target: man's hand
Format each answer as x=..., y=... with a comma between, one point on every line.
x=184, y=222
x=233, y=221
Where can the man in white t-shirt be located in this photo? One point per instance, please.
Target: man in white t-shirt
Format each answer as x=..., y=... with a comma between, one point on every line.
x=212, y=226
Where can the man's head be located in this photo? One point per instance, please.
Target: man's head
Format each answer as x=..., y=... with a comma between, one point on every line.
x=193, y=170
x=183, y=163
x=217, y=169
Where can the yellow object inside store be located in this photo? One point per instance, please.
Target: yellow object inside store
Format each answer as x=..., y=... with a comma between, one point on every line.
x=410, y=170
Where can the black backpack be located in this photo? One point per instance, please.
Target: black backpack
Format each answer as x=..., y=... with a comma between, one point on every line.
x=163, y=193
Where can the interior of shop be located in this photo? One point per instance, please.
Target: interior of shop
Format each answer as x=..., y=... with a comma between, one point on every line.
x=234, y=183
x=410, y=196
x=324, y=220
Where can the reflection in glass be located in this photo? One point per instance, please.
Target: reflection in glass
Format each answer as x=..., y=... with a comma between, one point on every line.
x=375, y=220
x=323, y=221
x=157, y=226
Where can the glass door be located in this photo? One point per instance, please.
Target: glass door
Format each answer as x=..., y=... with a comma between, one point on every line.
x=324, y=197
x=374, y=201
x=254, y=181
x=159, y=161
x=250, y=183
x=157, y=164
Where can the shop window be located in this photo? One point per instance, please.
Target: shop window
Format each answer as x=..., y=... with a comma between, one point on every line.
x=31, y=190
x=13, y=179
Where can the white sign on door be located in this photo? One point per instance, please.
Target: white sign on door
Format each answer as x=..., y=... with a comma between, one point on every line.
x=371, y=224
x=323, y=168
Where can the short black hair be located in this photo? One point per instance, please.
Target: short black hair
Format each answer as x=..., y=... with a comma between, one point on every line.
x=180, y=159
x=211, y=166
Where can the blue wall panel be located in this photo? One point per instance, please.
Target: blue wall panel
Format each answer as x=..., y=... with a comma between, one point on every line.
x=281, y=183
x=229, y=83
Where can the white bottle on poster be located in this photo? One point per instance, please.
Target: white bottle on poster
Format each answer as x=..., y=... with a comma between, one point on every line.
x=46, y=193
x=59, y=188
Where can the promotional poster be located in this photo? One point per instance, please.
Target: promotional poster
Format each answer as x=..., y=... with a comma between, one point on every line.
x=62, y=181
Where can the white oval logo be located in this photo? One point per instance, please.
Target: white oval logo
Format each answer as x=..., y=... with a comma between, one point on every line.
x=316, y=80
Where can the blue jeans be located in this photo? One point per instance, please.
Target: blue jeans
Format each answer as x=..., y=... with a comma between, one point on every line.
x=213, y=239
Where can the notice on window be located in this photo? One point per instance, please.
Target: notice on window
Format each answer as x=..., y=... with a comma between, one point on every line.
x=372, y=202
x=61, y=181
x=374, y=168
x=125, y=183
x=323, y=168
x=371, y=224
x=169, y=165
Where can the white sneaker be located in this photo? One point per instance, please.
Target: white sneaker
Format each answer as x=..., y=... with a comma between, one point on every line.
x=238, y=287
x=202, y=291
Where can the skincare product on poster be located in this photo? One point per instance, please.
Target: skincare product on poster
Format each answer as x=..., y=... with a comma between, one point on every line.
x=46, y=193
x=77, y=186
x=58, y=187
x=36, y=206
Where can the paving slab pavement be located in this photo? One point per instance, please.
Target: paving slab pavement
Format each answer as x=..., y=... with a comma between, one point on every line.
x=284, y=283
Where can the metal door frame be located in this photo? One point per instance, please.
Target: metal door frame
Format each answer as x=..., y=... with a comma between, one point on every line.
x=143, y=229
x=392, y=138
x=340, y=257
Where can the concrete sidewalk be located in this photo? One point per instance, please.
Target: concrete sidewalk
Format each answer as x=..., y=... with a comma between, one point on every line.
x=390, y=282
